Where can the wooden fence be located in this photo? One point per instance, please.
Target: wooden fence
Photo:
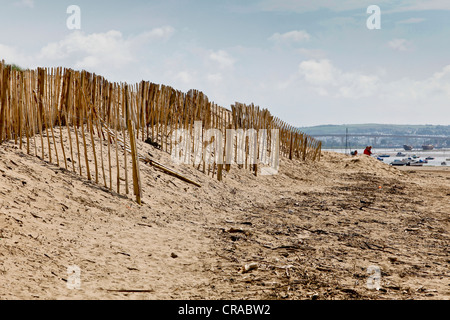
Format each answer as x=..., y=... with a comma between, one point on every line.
x=82, y=122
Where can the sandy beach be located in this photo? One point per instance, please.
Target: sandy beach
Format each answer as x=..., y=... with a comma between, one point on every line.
x=122, y=125
x=311, y=232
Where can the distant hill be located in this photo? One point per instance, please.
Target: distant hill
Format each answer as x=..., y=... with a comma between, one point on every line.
x=379, y=129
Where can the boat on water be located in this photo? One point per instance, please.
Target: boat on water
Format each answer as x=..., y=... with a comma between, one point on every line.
x=444, y=163
x=400, y=154
x=429, y=158
x=409, y=162
x=428, y=147
x=407, y=148
x=416, y=164
x=400, y=163
x=384, y=156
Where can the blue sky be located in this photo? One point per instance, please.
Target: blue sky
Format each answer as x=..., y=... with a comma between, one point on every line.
x=308, y=62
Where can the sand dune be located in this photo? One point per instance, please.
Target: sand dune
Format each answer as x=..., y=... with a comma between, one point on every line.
x=313, y=230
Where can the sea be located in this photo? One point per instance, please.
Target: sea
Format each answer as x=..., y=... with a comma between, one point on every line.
x=440, y=156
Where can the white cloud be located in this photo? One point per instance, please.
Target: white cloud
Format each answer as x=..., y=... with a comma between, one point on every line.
x=162, y=33
x=312, y=53
x=184, y=76
x=222, y=59
x=110, y=54
x=291, y=36
x=422, y=5
x=318, y=73
x=13, y=55
x=436, y=85
x=399, y=44
x=100, y=51
x=327, y=79
x=347, y=5
x=90, y=50
x=8, y=53
x=214, y=78
x=24, y=3
x=412, y=21
x=308, y=6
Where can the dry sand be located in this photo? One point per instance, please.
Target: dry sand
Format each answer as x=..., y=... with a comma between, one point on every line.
x=313, y=231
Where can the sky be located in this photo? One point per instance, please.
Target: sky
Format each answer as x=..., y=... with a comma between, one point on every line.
x=308, y=62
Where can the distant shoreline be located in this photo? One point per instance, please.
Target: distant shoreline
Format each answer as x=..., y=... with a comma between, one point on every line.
x=439, y=155
x=389, y=149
